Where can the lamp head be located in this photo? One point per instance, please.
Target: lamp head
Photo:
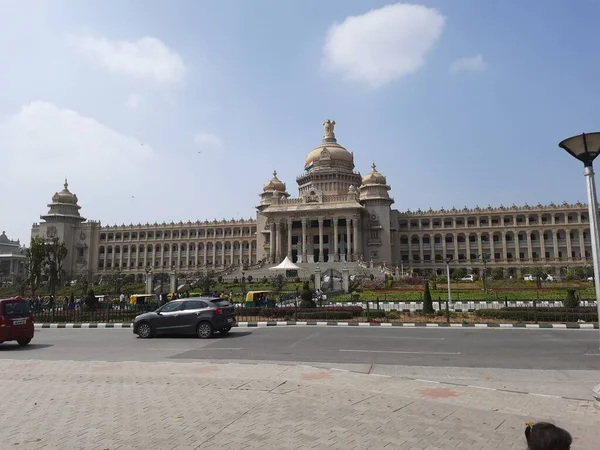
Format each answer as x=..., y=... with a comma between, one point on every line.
x=584, y=147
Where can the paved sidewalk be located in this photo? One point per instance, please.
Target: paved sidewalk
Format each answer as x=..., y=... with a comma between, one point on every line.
x=181, y=405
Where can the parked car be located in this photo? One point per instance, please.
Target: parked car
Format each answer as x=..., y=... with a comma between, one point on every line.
x=16, y=321
x=550, y=278
x=470, y=278
x=201, y=316
x=590, y=279
x=528, y=277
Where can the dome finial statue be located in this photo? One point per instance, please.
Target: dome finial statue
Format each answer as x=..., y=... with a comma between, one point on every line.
x=373, y=166
x=274, y=174
x=328, y=127
x=66, y=185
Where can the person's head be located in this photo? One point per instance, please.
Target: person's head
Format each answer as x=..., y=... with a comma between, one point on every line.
x=546, y=436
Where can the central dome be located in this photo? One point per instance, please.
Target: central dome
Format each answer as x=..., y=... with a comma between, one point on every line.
x=329, y=148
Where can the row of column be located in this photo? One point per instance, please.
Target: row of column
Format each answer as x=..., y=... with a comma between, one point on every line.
x=187, y=257
x=352, y=232
x=504, y=248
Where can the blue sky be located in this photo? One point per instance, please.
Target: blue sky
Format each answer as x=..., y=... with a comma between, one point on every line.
x=459, y=103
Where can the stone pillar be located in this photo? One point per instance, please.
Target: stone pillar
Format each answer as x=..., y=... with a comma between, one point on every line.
x=278, y=242
x=173, y=281
x=304, y=258
x=346, y=279
x=336, y=256
x=355, y=238
x=569, y=246
x=348, y=240
x=321, y=239
x=149, y=277
x=272, y=244
x=289, y=238
x=317, y=278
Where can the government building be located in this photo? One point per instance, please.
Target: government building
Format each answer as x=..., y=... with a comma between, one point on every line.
x=337, y=218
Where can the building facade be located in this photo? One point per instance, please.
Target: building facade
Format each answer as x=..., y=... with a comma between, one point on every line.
x=338, y=217
x=12, y=259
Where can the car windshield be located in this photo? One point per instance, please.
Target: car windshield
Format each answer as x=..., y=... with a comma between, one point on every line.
x=12, y=309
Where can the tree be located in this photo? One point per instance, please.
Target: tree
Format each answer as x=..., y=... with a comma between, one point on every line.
x=55, y=254
x=427, y=302
x=36, y=256
x=539, y=274
x=206, y=281
x=306, y=297
x=114, y=282
x=278, y=282
x=461, y=272
x=498, y=273
x=90, y=301
x=572, y=301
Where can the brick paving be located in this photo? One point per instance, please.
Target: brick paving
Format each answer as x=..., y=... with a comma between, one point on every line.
x=181, y=405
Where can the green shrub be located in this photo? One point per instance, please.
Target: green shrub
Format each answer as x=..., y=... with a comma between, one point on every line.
x=571, y=301
x=235, y=280
x=374, y=313
x=393, y=315
x=331, y=315
x=541, y=316
x=442, y=280
x=249, y=279
x=297, y=280
x=220, y=279
x=427, y=303
x=475, y=278
x=90, y=301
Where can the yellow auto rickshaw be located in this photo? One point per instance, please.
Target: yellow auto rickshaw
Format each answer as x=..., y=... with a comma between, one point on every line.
x=260, y=299
x=143, y=301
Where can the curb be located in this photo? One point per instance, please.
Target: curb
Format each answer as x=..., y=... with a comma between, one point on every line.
x=573, y=326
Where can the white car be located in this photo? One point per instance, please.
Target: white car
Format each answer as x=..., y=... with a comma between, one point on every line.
x=470, y=278
x=528, y=277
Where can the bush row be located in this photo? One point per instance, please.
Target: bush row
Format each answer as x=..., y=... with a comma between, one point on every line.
x=541, y=316
x=353, y=311
x=580, y=309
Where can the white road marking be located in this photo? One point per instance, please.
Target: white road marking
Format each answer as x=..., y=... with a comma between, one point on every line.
x=401, y=352
x=219, y=348
x=395, y=337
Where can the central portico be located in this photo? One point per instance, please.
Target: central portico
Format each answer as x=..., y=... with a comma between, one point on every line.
x=335, y=207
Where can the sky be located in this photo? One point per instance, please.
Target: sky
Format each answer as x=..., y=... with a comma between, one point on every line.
x=181, y=110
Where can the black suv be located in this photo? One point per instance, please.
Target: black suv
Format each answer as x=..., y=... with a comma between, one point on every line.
x=196, y=315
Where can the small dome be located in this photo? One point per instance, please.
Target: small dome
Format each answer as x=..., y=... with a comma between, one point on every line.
x=274, y=184
x=65, y=196
x=374, y=177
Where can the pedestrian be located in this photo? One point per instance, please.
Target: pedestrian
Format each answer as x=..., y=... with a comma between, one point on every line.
x=546, y=436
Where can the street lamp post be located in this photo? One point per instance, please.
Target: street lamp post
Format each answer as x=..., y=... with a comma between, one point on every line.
x=586, y=147
x=243, y=286
x=484, y=257
x=448, y=260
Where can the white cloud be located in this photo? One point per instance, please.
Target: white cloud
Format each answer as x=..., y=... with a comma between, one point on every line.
x=473, y=63
x=42, y=143
x=383, y=44
x=134, y=101
x=147, y=58
x=208, y=141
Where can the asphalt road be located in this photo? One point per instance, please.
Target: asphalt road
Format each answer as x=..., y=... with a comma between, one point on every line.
x=462, y=347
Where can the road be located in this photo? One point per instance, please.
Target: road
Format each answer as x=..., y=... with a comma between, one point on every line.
x=462, y=347
x=555, y=362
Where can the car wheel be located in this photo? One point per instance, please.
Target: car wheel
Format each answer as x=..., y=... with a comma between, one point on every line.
x=204, y=330
x=224, y=331
x=144, y=330
x=24, y=342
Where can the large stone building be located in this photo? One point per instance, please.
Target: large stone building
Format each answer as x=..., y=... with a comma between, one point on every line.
x=12, y=259
x=338, y=217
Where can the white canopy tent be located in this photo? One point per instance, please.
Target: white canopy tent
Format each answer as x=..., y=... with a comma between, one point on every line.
x=286, y=264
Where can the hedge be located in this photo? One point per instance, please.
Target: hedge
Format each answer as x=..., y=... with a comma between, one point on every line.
x=276, y=313
x=331, y=315
x=541, y=316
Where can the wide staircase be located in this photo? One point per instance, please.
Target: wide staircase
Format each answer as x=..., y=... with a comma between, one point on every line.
x=306, y=270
